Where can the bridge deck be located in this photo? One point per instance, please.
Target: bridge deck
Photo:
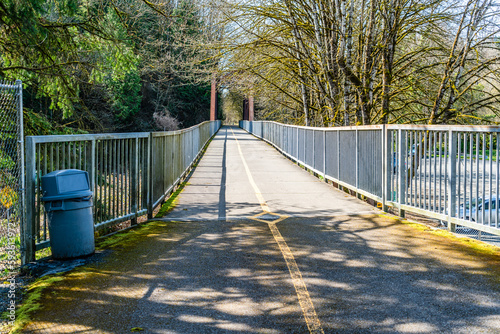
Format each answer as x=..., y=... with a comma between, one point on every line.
x=257, y=245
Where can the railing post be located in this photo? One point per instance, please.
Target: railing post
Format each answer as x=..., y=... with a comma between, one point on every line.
x=313, y=150
x=386, y=167
x=338, y=160
x=304, y=145
x=28, y=226
x=324, y=155
x=401, y=171
x=297, y=144
x=149, y=177
x=134, y=178
x=357, y=163
x=93, y=173
x=452, y=182
x=284, y=140
x=93, y=167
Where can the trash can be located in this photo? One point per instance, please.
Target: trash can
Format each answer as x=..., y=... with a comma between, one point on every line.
x=68, y=203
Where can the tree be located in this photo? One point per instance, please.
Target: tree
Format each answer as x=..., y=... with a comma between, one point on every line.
x=107, y=65
x=368, y=61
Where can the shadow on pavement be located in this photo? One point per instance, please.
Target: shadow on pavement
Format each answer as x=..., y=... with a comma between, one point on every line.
x=364, y=275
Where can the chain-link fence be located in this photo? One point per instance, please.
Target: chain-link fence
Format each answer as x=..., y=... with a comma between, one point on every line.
x=11, y=175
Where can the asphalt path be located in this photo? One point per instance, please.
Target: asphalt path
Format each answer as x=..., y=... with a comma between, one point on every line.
x=258, y=245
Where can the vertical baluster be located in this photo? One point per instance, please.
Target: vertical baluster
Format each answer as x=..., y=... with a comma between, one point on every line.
x=440, y=153
x=459, y=170
x=112, y=182
x=490, y=180
x=119, y=174
x=69, y=160
x=51, y=154
x=414, y=168
x=478, y=147
x=497, y=195
x=118, y=178
x=75, y=155
x=411, y=167
x=115, y=178
x=391, y=151
x=483, y=185
x=426, y=143
x=101, y=180
x=127, y=176
x=97, y=175
x=107, y=179
x=67, y=156
x=58, y=159
x=446, y=150
x=134, y=177
x=39, y=219
x=420, y=155
x=434, y=163
x=122, y=177
x=471, y=178
x=101, y=177
x=45, y=171
x=82, y=156
x=85, y=163
x=466, y=145
x=452, y=176
x=405, y=162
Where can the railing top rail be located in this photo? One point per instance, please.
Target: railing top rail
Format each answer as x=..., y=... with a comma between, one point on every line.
x=465, y=128
x=423, y=127
x=86, y=137
x=106, y=136
x=336, y=128
x=176, y=132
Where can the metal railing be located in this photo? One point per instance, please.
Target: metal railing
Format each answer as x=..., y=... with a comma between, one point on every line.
x=130, y=173
x=450, y=173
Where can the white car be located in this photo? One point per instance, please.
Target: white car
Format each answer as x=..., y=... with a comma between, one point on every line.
x=473, y=210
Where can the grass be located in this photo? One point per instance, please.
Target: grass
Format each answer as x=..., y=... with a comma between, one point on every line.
x=5, y=242
x=171, y=202
x=31, y=303
x=490, y=254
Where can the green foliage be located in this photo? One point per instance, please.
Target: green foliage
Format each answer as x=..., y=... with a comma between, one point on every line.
x=32, y=302
x=105, y=66
x=4, y=242
x=37, y=124
x=6, y=161
x=124, y=95
x=43, y=43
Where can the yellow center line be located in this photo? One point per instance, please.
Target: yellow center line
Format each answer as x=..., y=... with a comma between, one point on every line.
x=305, y=301
x=262, y=202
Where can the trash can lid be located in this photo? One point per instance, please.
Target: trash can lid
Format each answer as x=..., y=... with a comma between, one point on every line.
x=65, y=184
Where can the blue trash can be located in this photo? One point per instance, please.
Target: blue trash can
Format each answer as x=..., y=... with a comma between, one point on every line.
x=68, y=203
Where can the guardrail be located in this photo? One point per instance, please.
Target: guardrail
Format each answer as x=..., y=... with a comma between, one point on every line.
x=131, y=173
x=450, y=173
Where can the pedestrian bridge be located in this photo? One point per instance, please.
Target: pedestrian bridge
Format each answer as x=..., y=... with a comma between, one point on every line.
x=256, y=244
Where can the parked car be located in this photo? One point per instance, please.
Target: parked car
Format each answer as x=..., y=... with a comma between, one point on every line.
x=395, y=162
x=473, y=210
